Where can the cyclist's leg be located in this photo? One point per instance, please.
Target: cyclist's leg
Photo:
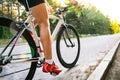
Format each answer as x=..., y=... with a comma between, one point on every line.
x=41, y=15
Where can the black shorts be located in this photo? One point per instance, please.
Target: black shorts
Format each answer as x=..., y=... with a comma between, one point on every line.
x=31, y=3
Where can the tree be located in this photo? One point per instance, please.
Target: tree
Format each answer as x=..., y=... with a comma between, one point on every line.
x=92, y=21
x=115, y=26
x=10, y=8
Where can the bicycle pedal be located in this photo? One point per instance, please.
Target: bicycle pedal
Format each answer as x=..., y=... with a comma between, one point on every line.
x=40, y=62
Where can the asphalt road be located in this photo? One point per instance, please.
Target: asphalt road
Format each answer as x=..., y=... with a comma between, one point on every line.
x=93, y=49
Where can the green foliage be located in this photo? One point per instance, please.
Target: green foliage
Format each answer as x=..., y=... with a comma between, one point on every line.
x=76, y=10
x=54, y=4
x=4, y=33
x=91, y=21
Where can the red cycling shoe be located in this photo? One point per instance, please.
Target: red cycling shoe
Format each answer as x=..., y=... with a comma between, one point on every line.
x=52, y=68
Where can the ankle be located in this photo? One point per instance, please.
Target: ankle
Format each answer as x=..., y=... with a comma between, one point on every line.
x=49, y=61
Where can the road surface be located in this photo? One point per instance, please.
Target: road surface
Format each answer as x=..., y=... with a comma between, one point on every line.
x=93, y=49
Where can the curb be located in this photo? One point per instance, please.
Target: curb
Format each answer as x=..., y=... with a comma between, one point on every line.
x=99, y=72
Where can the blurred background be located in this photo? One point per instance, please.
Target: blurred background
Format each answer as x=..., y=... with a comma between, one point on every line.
x=90, y=17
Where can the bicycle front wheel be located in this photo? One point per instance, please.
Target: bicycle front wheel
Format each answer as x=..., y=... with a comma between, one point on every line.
x=25, y=49
x=68, y=46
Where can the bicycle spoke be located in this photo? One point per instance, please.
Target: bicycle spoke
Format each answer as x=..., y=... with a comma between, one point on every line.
x=21, y=60
x=14, y=72
x=17, y=54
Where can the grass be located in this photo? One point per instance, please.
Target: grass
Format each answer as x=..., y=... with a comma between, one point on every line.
x=3, y=42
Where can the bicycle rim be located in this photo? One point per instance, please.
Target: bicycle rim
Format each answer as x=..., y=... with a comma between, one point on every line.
x=68, y=53
x=25, y=49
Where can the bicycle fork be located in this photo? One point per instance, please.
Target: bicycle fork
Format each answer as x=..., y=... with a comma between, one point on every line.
x=68, y=37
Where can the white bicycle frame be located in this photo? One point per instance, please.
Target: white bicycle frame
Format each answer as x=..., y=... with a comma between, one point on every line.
x=31, y=19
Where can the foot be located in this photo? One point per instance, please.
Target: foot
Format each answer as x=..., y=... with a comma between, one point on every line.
x=51, y=68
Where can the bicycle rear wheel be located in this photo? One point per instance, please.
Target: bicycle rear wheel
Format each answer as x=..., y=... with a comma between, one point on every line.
x=68, y=46
x=25, y=49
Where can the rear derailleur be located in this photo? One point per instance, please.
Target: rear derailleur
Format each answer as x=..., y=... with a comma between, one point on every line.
x=5, y=60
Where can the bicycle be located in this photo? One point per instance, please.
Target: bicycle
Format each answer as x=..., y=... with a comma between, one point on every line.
x=65, y=35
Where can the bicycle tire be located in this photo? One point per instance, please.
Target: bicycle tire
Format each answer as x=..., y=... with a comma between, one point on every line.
x=5, y=22
x=59, y=43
